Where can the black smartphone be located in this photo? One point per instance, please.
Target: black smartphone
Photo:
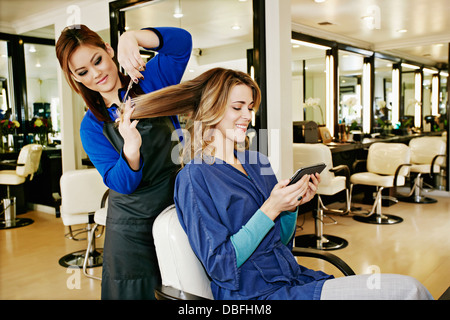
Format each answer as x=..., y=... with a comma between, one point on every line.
x=307, y=170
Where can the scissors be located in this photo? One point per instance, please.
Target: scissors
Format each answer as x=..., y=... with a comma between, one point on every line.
x=125, y=97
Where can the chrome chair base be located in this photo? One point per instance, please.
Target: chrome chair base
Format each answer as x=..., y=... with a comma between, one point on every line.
x=326, y=242
x=379, y=219
x=16, y=223
x=76, y=259
x=415, y=199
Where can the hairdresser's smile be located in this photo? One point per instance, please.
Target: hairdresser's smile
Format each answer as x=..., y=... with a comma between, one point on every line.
x=103, y=80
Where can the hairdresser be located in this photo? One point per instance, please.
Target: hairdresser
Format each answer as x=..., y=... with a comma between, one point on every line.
x=133, y=156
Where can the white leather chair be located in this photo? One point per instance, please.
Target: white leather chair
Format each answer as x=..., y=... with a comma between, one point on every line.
x=183, y=276
x=427, y=157
x=307, y=154
x=81, y=196
x=179, y=266
x=25, y=167
x=387, y=167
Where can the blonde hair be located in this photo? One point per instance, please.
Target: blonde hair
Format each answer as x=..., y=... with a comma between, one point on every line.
x=204, y=98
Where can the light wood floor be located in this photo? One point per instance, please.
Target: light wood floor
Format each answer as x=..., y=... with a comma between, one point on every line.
x=419, y=247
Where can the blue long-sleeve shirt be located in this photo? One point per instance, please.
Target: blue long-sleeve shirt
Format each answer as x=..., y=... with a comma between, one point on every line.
x=214, y=202
x=165, y=69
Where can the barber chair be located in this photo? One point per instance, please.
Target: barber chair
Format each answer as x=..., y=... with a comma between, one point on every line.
x=387, y=167
x=427, y=157
x=25, y=167
x=307, y=154
x=82, y=192
x=183, y=276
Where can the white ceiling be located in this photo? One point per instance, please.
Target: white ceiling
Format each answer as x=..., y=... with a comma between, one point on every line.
x=209, y=21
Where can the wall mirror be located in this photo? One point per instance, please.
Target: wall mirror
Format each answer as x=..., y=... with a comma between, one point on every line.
x=350, y=66
x=382, y=97
x=308, y=82
x=408, y=101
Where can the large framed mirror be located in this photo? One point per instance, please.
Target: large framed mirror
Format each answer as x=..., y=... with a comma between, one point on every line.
x=350, y=68
x=383, y=96
x=408, y=93
x=308, y=82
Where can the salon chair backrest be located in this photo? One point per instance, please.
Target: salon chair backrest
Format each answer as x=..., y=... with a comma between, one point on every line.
x=179, y=266
x=81, y=194
x=424, y=149
x=385, y=158
x=30, y=157
x=306, y=154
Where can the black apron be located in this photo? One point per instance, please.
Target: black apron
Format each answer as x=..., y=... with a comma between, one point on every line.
x=130, y=266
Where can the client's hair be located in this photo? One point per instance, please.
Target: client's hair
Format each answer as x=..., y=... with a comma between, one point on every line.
x=204, y=98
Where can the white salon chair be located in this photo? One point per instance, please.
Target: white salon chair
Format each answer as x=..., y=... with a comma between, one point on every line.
x=182, y=274
x=82, y=192
x=24, y=168
x=99, y=221
x=307, y=154
x=427, y=157
x=387, y=167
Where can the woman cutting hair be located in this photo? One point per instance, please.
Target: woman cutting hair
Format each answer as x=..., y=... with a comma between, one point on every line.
x=133, y=157
x=239, y=220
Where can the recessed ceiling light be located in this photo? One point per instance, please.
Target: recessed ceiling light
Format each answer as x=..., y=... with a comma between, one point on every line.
x=402, y=30
x=236, y=27
x=319, y=1
x=178, y=15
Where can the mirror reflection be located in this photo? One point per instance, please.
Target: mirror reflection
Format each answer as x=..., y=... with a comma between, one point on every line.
x=350, y=89
x=43, y=105
x=308, y=82
x=382, y=101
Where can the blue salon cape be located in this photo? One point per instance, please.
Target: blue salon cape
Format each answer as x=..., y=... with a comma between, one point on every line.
x=213, y=202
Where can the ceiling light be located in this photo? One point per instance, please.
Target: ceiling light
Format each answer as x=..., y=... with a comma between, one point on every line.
x=309, y=44
x=410, y=66
x=32, y=49
x=236, y=27
x=38, y=65
x=402, y=30
x=178, y=13
x=319, y=1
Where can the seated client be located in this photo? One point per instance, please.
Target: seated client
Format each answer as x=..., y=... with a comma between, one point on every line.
x=239, y=220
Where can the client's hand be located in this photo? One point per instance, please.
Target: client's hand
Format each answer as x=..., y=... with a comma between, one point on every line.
x=287, y=198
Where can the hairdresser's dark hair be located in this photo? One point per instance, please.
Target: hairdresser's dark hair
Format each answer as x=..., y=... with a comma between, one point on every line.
x=70, y=39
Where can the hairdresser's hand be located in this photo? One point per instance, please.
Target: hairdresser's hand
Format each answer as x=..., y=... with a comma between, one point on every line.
x=131, y=137
x=129, y=57
x=286, y=198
